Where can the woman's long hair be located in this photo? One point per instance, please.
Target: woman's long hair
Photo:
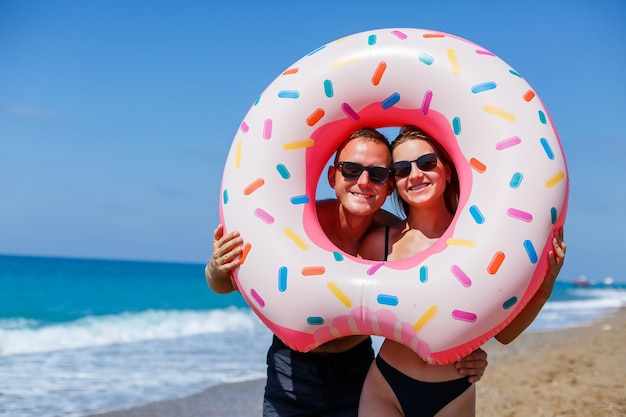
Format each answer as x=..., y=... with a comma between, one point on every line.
x=451, y=193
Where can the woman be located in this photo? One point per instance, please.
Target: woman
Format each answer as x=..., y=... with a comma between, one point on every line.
x=399, y=382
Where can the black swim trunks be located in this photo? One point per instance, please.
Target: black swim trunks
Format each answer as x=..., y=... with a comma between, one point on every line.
x=418, y=398
x=315, y=384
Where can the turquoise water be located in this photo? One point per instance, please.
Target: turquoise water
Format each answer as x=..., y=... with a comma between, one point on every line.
x=55, y=290
x=83, y=336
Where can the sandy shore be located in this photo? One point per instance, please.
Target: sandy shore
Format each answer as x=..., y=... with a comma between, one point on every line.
x=573, y=372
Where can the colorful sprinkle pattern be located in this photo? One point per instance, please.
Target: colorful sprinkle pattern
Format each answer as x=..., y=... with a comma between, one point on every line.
x=456, y=295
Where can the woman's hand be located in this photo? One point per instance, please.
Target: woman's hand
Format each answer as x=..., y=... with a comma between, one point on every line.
x=556, y=257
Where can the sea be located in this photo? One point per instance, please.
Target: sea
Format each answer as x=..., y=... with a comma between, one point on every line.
x=84, y=336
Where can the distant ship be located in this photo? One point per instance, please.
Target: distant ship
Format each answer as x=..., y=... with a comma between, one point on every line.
x=582, y=281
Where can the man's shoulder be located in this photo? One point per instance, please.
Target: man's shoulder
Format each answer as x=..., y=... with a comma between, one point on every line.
x=326, y=202
x=326, y=207
x=385, y=218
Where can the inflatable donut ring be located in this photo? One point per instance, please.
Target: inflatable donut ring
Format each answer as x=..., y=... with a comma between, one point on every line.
x=448, y=300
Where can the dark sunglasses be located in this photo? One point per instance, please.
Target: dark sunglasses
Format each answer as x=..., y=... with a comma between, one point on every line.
x=351, y=171
x=426, y=162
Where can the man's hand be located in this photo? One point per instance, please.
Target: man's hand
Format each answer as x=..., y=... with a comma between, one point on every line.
x=473, y=365
x=226, y=257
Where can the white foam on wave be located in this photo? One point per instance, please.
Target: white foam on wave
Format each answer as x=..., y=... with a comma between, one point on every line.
x=591, y=298
x=586, y=306
x=96, y=379
x=19, y=336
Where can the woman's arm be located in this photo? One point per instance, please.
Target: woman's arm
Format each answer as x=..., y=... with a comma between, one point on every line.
x=556, y=258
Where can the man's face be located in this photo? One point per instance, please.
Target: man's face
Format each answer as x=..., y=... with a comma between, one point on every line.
x=362, y=196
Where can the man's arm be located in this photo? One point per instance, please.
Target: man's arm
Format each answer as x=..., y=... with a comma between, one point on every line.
x=225, y=258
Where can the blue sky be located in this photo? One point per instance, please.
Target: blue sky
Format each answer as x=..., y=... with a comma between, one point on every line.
x=116, y=117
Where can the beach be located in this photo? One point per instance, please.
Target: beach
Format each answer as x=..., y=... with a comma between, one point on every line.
x=568, y=372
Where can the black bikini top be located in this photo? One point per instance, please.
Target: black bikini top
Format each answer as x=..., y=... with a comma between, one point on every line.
x=386, y=242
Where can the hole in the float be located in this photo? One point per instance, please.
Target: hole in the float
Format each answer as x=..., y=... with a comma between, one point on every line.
x=325, y=191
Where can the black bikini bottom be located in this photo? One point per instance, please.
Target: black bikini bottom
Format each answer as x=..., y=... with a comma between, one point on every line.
x=418, y=398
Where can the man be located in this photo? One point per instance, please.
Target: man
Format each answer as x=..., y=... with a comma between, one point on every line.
x=328, y=380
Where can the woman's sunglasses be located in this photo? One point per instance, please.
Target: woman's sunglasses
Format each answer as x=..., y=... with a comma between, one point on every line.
x=426, y=162
x=351, y=171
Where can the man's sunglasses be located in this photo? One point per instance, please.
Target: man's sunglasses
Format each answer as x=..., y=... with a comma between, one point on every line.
x=351, y=171
x=426, y=162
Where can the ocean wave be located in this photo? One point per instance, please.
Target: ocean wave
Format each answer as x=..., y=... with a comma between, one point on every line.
x=582, y=307
x=22, y=336
x=591, y=298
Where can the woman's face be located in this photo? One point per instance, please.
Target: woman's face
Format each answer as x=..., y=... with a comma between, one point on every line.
x=420, y=188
